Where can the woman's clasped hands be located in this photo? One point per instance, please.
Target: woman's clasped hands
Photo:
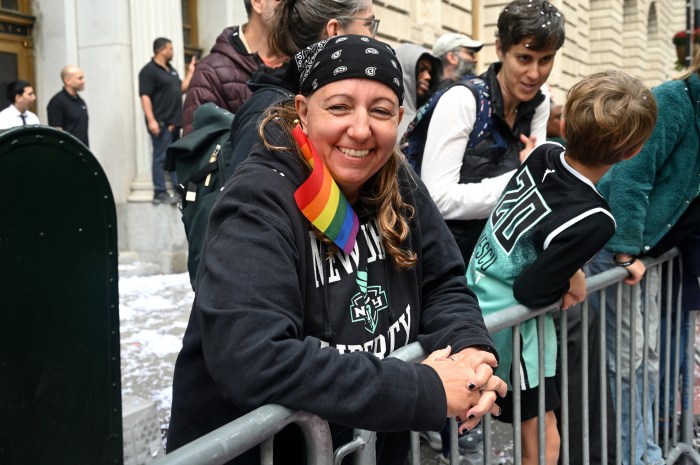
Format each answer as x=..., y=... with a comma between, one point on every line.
x=469, y=382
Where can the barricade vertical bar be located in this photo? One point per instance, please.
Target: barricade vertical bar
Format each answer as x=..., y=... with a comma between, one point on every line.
x=541, y=449
x=584, y=382
x=454, y=449
x=618, y=372
x=415, y=448
x=266, y=452
x=515, y=381
x=658, y=308
x=688, y=404
x=487, y=439
x=646, y=344
x=603, y=373
x=673, y=418
x=632, y=375
x=564, y=349
x=666, y=414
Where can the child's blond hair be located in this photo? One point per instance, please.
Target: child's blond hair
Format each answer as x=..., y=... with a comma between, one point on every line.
x=609, y=115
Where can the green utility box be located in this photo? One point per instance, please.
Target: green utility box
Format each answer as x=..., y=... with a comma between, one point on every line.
x=60, y=390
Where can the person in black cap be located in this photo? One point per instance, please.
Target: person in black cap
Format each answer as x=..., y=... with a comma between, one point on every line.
x=324, y=255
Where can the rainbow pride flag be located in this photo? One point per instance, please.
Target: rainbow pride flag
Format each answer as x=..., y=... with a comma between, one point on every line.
x=322, y=202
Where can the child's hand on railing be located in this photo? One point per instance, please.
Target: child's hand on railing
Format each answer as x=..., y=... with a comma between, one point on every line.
x=636, y=268
x=577, y=291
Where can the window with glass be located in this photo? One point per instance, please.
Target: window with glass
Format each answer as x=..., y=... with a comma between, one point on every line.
x=189, y=29
x=16, y=6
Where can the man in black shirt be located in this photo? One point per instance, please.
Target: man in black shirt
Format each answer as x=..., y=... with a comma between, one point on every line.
x=161, y=92
x=66, y=110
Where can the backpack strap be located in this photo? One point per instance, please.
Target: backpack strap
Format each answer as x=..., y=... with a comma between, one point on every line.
x=190, y=195
x=412, y=143
x=482, y=97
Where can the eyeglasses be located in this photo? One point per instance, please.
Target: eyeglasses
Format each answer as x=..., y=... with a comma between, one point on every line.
x=468, y=51
x=371, y=23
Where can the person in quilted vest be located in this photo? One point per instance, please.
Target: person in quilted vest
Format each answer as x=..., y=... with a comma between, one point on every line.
x=466, y=182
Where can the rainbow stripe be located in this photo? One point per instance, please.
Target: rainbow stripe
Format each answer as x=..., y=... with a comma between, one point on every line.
x=322, y=202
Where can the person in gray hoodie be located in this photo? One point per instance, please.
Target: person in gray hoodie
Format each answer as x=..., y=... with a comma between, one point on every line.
x=421, y=77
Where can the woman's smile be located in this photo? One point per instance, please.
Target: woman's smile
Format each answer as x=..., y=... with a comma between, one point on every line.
x=354, y=153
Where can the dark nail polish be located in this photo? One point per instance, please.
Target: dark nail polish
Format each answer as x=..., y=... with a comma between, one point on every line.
x=471, y=386
x=470, y=416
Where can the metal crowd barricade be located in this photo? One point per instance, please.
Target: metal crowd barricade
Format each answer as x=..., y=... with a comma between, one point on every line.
x=260, y=426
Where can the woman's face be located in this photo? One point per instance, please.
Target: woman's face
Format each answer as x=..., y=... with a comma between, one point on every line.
x=523, y=72
x=352, y=123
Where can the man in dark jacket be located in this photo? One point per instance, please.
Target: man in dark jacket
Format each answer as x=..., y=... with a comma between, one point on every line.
x=221, y=76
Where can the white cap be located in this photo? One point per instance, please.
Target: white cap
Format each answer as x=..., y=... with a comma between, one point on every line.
x=452, y=40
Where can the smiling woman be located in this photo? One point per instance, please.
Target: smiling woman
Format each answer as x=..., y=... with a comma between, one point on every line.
x=324, y=255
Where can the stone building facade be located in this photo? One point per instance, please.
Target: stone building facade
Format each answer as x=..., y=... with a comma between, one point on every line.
x=112, y=40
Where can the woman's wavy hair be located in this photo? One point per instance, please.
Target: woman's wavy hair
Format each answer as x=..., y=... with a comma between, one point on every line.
x=537, y=20
x=381, y=192
x=300, y=23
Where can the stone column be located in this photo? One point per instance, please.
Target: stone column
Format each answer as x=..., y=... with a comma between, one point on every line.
x=149, y=20
x=55, y=45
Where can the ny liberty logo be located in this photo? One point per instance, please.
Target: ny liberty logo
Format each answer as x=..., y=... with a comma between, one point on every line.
x=366, y=304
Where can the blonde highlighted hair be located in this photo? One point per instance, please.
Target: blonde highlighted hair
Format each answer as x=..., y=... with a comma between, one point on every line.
x=694, y=67
x=609, y=115
x=393, y=214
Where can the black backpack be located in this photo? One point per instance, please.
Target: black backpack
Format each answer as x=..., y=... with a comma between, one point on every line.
x=200, y=160
x=209, y=155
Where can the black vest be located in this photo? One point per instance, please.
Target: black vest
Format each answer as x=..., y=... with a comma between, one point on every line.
x=496, y=154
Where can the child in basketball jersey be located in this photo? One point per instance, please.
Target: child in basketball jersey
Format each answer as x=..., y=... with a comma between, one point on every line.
x=548, y=223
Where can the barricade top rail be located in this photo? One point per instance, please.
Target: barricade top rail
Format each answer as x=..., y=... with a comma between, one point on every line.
x=232, y=439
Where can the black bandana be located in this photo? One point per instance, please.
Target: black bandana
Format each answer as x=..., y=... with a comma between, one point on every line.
x=344, y=57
